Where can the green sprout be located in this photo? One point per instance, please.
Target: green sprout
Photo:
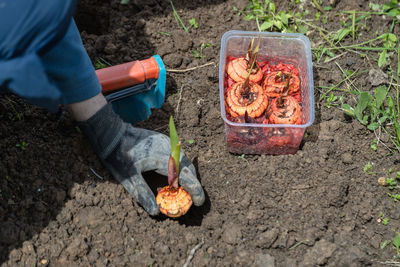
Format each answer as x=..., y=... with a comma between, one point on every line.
x=268, y=19
x=164, y=33
x=22, y=145
x=101, y=63
x=177, y=18
x=396, y=197
x=368, y=167
x=20, y=116
x=173, y=165
x=384, y=220
x=374, y=145
x=242, y=157
x=193, y=23
x=396, y=243
x=384, y=243
x=391, y=182
x=198, y=53
x=331, y=101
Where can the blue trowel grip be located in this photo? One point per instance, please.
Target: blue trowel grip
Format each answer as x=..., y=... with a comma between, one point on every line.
x=134, y=103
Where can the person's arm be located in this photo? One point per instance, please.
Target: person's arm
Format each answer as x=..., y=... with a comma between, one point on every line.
x=63, y=73
x=82, y=111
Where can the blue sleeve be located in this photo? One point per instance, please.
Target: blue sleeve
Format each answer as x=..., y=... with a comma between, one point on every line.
x=42, y=58
x=26, y=77
x=28, y=26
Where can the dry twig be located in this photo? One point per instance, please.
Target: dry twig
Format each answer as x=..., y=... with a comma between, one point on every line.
x=190, y=69
x=301, y=187
x=96, y=174
x=161, y=127
x=335, y=57
x=390, y=263
x=192, y=252
x=179, y=101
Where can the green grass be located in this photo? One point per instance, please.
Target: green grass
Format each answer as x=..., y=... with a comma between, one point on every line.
x=19, y=115
x=101, y=63
x=193, y=23
x=190, y=141
x=198, y=53
x=178, y=18
x=23, y=145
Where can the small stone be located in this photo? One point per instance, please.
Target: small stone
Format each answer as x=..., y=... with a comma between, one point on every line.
x=242, y=257
x=91, y=217
x=28, y=248
x=164, y=249
x=309, y=236
x=77, y=248
x=334, y=125
x=319, y=253
x=110, y=48
x=347, y=158
x=382, y=181
x=377, y=77
x=182, y=42
x=325, y=134
x=15, y=255
x=232, y=234
x=265, y=260
x=281, y=241
x=212, y=75
x=289, y=262
x=190, y=238
x=44, y=261
x=140, y=23
x=268, y=238
x=172, y=60
x=350, y=61
x=44, y=237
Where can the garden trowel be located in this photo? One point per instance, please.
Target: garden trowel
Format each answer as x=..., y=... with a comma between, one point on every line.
x=134, y=88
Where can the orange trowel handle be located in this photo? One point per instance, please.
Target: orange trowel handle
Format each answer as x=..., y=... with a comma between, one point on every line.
x=127, y=74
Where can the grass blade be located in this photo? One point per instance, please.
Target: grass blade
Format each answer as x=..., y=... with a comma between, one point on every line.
x=177, y=18
x=175, y=145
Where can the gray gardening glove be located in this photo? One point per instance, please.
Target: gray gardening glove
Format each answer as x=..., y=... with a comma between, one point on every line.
x=127, y=151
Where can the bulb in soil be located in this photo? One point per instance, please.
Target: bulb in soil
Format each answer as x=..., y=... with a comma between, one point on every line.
x=173, y=202
x=274, y=83
x=285, y=110
x=382, y=181
x=238, y=70
x=238, y=102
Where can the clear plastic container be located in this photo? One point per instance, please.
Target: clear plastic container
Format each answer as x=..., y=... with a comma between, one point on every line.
x=289, y=48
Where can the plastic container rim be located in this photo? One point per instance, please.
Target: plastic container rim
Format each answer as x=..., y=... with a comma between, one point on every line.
x=298, y=36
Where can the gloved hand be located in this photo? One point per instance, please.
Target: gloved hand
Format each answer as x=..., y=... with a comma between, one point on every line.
x=127, y=151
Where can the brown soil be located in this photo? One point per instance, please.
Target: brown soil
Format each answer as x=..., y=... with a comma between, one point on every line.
x=317, y=207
